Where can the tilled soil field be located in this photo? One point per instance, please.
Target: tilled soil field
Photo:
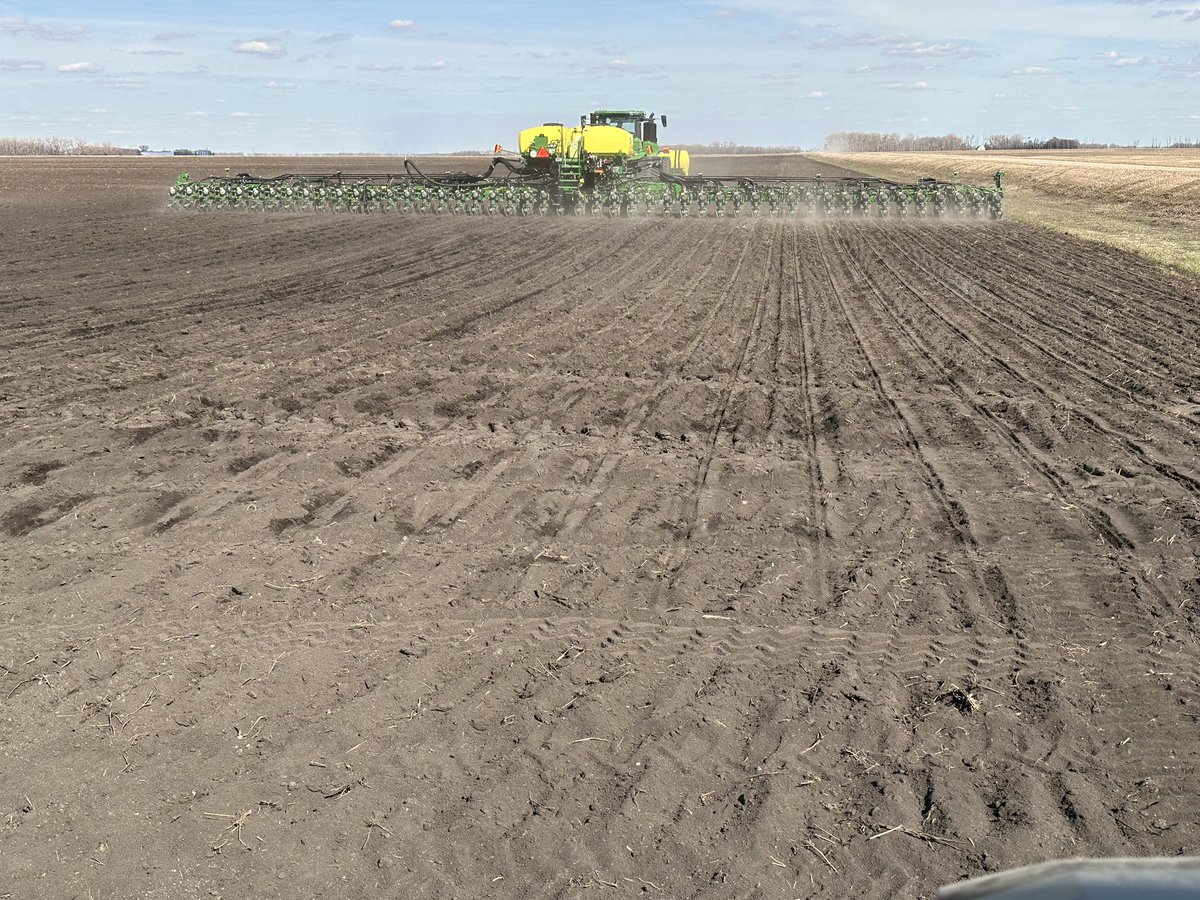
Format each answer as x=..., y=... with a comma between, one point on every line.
x=459, y=557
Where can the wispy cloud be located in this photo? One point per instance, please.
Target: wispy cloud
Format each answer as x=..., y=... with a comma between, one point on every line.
x=85, y=68
x=259, y=48
x=21, y=65
x=1033, y=70
x=334, y=38
x=1188, y=15
x=174, y=35
x=402, y=25
x=121, y=83
x=22, y=27
x=435, y=66
x=923, y=50
x=872, y=40
x=908, y=86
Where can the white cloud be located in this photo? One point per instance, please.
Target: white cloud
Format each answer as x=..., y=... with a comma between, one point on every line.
x=815, y=95
x=197, y=113
x=402, y=25
x=908, y=86
x=258, y=48
x=1113, y=58
x=245, y=115
x=1034, y=70
x=21, y=65
x=435, y=66
x=85, y=68
x=281, y=86
x=98, y=109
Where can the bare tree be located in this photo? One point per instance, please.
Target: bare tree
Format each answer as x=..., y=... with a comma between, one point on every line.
x=56, y=146
x=877, y=142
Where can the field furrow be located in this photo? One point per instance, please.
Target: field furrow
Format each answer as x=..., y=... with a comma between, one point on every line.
x=512, y=558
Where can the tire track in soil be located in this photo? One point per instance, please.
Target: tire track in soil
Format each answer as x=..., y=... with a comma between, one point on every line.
x=1133, y=280
x=594, y=484
x=638, y=410
x=989, y=579
x=1064, y=484
x=734, y=381
x=676, y=764
x=817, y=493
x=1024, y=338
x=331, y=503
x=640, y=792
x=1027, y=298
x=352, y=314
x=1097, y=520
x=442, y=515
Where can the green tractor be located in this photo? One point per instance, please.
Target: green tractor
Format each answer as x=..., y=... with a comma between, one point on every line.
x=610, y=164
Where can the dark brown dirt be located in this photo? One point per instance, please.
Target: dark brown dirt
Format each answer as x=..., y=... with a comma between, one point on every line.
x=432, y=557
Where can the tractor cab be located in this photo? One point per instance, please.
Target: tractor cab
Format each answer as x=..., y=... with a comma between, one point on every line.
x=637, y=123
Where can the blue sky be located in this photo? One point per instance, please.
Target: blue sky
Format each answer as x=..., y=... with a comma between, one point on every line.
x=309, y=77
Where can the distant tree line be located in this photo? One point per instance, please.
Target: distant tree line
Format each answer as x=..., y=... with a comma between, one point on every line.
x=877, y=142
x=60, y=147
x=1020, y=142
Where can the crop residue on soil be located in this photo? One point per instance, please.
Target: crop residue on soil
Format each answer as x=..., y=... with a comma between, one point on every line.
x=454, y=557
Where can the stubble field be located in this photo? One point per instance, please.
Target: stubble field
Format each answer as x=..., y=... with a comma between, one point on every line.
x=464, y=557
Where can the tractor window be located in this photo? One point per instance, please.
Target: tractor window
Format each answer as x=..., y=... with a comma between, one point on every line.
x=627, y=124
